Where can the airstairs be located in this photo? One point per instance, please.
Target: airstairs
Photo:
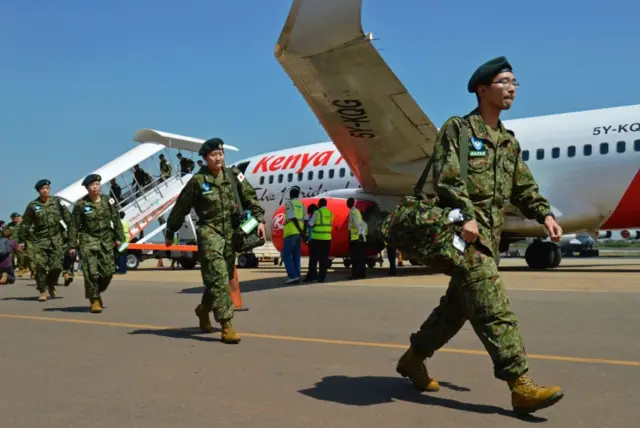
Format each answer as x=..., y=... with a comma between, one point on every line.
x=147, y=201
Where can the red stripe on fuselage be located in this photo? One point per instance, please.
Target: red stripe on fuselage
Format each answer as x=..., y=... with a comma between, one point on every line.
x=627, y=213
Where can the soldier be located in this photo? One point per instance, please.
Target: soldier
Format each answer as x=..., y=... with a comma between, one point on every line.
x=95, y=229
x=210, y=193
x=19, y=261
x=496, y=172
x=165, y=168
x=50, y=220
x=186, y=165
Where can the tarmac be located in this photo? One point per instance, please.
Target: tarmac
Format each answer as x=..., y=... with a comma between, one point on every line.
x=314, y=355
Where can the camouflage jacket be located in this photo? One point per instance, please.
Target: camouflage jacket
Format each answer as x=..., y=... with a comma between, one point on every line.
x=45, y=223
x=165, y=168
x=496, y=173
x=95, y=225
x=214, y=204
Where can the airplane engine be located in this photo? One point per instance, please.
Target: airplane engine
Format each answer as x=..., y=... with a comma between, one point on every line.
x=630, y=234
x=340, y=233
x=600, y=234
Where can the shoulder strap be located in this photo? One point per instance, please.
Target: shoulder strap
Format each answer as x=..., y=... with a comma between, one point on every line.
x=464, y=157
x=234, y=184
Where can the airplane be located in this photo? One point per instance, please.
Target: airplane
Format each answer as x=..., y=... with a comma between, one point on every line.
x=586, y=163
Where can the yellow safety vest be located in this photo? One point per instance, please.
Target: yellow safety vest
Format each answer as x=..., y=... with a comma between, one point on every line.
x=125, y=229
x=354, y=234
x=290, y=227
x=322, y=228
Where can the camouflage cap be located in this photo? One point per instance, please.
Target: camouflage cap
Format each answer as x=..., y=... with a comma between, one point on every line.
x=14, y=214
x=211, y=145
x=40, y=183
x=91, y=178
x=487, y=71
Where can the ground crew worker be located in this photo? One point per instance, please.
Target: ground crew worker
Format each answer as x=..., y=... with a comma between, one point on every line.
x=321, y=223
x=292, y=234
x=357, y=241
x=165, y=168
x=50, y=220
x=122, y=255
x=95, y=230
x=496, y=172
x=210, y=193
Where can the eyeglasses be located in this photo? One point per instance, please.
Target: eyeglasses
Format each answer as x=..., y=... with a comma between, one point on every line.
x=507, y=82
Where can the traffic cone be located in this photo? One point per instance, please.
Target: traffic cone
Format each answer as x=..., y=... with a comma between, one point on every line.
x=234, y=292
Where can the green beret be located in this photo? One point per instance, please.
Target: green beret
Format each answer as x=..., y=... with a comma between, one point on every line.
x=487, y=71
x=15, y=215
x=90, y=179
x=43, y=182
x=211, y=145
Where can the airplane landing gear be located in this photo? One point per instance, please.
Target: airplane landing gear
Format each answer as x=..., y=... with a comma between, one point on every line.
x=543, y=255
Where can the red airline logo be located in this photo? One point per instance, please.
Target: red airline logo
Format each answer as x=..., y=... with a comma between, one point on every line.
x=299, y=161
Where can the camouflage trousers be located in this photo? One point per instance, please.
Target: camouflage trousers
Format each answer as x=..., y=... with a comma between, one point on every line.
x=217, y=261
x=48, y=264
x=98, y=267
x=476, y=294
x=29, y=258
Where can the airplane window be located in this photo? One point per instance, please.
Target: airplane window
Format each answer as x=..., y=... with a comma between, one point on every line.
x=587, y=150
x=310, y=175
x=636, y=145
x=300, y=176
x=331, y=173
x=540, y=154
x=525, y=155
x=604, y=148
x=270, y=179
x=320, y=174
x=341, y=172
x=621, y=146
x=280, y=177
x=555, y=152
x=571, y=151
x=290, y=177
x=262, y=180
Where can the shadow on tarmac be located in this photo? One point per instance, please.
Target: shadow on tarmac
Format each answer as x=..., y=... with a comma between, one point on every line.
x=372, y=390
x=192, y=333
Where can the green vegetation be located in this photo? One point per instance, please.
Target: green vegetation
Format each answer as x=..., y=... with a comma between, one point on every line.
x=618, y=244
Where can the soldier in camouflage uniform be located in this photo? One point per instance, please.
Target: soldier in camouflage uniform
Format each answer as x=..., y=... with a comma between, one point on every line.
x=496, y=172
x=96, y=230
x=50, y=220
x=19, y=258
x=165, y=168
x=209, y=192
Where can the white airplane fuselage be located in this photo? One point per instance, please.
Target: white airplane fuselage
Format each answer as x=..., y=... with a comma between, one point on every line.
x=586, y=164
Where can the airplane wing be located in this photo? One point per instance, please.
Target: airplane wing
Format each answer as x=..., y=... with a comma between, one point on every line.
x=381, y=132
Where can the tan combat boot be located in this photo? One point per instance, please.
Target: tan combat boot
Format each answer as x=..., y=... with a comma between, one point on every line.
x=228, y=333
x=527, y=397
x=19, y=273
x=52, y=291
x=68, y=279
x=205, y=321
x=96, y=308
x=4, y=278
x=43, y=296
x=412, y=365
x=101, y=302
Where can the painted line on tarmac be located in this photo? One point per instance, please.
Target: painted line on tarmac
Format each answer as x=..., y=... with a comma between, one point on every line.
x=325, y=341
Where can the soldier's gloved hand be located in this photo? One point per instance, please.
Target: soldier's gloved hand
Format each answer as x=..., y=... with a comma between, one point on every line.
x=470, y=231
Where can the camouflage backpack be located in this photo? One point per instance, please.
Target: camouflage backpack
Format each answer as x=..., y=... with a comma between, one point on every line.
x=421, y=230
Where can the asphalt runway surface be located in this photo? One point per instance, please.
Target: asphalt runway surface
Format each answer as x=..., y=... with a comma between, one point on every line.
x=314, y=355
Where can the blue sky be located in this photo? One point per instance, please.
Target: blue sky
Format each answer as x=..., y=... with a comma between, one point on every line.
x=79, y=78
